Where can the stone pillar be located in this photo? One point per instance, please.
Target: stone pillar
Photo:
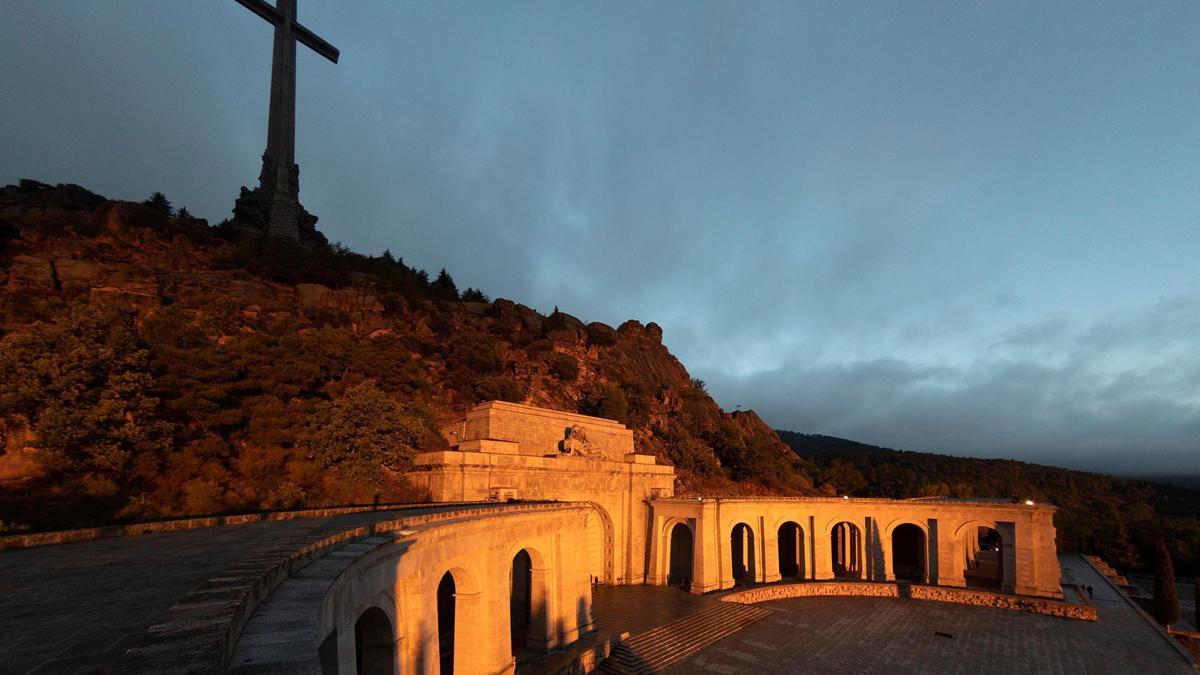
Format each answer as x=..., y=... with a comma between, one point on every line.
x=542, y=617
x=888, y=573
x=346, y=650
x=1048, y=577
x=747, y=551
x=823, y=552
x=936, y=553
x=770, y=555
x=660, y=551
x=1010, y=558
x=950, y=572
x=707, y=561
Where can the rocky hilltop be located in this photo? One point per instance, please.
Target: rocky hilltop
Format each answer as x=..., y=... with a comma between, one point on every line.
x=153, y=365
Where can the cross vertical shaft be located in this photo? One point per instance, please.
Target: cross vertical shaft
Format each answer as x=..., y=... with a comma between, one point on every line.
x=276, y=178
x=274, y=208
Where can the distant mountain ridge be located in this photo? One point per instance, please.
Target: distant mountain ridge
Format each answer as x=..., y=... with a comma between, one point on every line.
x=1120, y=518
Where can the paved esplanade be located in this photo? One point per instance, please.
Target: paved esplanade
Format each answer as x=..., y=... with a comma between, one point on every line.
x=888, y=635
x=78, y=607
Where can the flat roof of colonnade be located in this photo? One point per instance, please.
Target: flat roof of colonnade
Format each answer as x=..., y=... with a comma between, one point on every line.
x=983, y=502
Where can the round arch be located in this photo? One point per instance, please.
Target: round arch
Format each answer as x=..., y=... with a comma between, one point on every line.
x=846, y=538
x=679, y=539
x=907, y=552
x=984, y=559
x=891, y=527
x=790, y=538
x=456, y=601
x=742, y=553
x=374, y=643
x=600, y=545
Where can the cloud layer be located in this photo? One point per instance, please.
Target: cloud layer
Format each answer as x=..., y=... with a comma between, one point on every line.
x=947, y=228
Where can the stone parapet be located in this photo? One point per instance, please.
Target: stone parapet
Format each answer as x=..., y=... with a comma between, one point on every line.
x=35, y=539
x=960, y=596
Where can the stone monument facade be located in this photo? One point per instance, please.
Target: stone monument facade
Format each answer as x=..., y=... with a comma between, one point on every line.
x=507, y=451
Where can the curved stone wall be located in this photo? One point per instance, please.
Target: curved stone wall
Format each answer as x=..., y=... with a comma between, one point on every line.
x=310, y=623
x=960, y=596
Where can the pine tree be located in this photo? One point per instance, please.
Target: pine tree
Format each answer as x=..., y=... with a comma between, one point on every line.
x=158, y=201
x=474, y=295
x=183, y=213
x=443, y=287
x=1166, y=600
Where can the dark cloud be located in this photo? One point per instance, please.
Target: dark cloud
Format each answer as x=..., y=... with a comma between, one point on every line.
x=942, y=228
x=1117, y=395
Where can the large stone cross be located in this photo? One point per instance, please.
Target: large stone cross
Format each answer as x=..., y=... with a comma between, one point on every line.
x=274, y=208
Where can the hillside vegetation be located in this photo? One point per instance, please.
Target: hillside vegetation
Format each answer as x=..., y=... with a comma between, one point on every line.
x=1118, y=518
x=153, y=366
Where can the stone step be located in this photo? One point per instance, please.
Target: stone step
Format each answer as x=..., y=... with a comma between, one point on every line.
x=658, y=648
x=676, y=647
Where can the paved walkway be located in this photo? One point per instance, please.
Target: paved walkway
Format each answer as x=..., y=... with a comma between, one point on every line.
x=77, y=607
x=889, y=635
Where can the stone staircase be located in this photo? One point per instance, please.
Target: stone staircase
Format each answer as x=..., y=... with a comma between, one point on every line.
x=656, y=649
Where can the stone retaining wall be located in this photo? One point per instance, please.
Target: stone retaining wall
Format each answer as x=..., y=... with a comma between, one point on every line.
x=19, y=541
x=962, y=596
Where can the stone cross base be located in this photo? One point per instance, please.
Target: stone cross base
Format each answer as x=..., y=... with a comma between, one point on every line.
x=279, y=216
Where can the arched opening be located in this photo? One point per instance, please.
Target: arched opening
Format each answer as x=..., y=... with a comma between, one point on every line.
x=791, y=551
x=741, y=547
x=846, y=542
x=600, y=545
x=520, y=600
x=680, y=568
x=374, y=643
x=909, y=553
x=445, y=619
x=984, y=550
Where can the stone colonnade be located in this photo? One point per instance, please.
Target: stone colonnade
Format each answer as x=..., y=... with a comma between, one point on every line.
x=853, y=538
x=387, y=612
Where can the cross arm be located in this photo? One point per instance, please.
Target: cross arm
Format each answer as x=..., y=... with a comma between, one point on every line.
x=305, y=36
x=310, y=39
x=266, y=11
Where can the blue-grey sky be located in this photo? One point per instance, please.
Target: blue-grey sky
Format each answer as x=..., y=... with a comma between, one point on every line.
x=960, y=227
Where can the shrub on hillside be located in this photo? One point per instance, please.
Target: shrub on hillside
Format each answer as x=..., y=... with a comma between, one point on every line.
x=563, y=366
x=84, y=382
x=605, y=399
x=498, y=388
x=362, y=431
x=472, y=357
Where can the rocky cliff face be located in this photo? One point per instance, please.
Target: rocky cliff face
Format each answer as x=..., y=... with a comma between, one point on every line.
x=240, y=350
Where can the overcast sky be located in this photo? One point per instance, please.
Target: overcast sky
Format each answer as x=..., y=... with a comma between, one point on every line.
x=958, y=227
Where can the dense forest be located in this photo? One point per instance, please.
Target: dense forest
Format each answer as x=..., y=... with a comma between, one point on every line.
x=1118, y=518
